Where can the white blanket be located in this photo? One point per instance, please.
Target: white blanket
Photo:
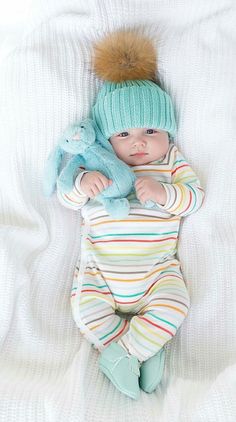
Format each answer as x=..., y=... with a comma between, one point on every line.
x=48, y=372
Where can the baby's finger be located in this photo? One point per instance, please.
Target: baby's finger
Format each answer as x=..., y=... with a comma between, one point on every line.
x=140, y=190
x=139, y=182
x=105, y=181
x=142, y=198
x=90, y=194
x=95, y=191
x=99, y=184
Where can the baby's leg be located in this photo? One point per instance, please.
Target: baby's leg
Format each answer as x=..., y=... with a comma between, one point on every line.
x=94, y=313
x=166, y=306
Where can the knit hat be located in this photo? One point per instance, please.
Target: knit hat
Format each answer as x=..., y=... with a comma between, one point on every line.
x=129, y=97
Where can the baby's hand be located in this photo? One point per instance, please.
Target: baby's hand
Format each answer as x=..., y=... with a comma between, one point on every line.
x=94, y=182
x=148, y=188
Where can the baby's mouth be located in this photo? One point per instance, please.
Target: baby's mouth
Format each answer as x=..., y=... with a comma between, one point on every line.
x=139, y=154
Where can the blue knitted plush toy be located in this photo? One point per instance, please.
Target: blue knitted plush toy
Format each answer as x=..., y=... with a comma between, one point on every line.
x=80, y=140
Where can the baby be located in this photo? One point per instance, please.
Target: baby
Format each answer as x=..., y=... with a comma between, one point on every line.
x=129, y=297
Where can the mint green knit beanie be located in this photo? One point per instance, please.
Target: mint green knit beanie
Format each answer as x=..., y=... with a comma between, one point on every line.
x=129, y=98
x=133, y=104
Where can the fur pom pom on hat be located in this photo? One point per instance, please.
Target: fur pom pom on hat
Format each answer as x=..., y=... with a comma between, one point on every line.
x=125, y=55
x=129, y=98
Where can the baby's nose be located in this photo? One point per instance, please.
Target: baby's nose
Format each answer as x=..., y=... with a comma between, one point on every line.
x=139, y=142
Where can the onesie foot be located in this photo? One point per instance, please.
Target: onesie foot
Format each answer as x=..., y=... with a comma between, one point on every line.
x=151, y=371
x=122, y=369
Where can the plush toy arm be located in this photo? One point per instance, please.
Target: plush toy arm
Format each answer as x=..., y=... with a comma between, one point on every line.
x=66, y=179
x=51, y=170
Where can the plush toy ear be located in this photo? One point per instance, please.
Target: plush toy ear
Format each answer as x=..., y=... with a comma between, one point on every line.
x=51, y=171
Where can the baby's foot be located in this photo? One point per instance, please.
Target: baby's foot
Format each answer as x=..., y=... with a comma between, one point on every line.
x=151, y=371
x=122, y=369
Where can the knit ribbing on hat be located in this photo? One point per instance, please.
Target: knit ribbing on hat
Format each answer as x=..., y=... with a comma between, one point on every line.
x=132, y=104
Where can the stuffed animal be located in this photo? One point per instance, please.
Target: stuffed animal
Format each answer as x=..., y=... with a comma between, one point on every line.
x=51, y=171
x=80, y=140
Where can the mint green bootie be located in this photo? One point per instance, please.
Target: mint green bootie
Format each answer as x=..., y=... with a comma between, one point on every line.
x=122, y=369
x=151, y=372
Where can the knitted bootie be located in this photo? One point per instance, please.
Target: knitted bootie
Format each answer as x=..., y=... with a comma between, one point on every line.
x=151, y=372
x=122, y=369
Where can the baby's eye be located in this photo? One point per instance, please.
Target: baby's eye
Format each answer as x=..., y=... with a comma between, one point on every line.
x=151, y=131
x=123, y=134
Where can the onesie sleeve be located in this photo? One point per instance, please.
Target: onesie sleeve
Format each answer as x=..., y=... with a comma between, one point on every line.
x=75, y=199
x=184, y=194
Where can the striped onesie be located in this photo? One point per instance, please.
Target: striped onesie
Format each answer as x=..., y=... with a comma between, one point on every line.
x=128, y=286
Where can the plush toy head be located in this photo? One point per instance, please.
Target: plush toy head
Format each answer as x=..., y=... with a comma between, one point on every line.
x=78, y=137
x=75, y=140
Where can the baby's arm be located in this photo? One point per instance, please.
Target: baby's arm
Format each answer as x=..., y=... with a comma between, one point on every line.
x=87, y=185
x=93, y=183
x=75, y=199
x=184, y=194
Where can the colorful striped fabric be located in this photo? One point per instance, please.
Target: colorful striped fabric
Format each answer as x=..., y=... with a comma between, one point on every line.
x=130, y=265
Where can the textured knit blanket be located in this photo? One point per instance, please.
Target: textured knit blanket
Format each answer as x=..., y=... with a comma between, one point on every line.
x=48, y=372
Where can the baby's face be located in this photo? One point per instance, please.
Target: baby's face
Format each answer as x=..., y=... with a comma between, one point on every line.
x=140, y=145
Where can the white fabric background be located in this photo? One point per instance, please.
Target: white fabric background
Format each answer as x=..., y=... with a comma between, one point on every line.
x=47, y=371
